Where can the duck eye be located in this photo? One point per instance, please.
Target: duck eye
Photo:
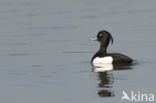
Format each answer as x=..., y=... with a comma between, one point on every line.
x=100, y=35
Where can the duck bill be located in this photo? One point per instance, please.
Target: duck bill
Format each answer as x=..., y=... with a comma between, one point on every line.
x=94, y=39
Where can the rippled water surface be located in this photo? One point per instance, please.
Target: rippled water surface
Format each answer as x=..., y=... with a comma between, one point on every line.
x=45, y=50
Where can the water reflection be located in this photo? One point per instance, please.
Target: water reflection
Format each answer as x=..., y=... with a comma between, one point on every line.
x=106, y=78
x=102, y=67
x=106, y=93
x=105, y=84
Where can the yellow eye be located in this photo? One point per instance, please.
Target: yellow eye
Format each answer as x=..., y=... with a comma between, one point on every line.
x=100, y=35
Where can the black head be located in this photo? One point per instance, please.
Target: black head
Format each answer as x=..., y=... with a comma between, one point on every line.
x=104, y=38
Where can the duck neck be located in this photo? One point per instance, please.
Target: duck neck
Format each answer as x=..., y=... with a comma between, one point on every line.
x=103, y=49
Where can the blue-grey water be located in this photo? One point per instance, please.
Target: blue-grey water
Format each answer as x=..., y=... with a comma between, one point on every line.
x=45, y=50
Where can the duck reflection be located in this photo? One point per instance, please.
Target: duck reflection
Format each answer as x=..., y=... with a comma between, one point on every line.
x=106, y=78
x=106, y=84
x=102, y=67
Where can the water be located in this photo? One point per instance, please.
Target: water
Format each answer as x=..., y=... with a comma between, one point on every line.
x=45, y=50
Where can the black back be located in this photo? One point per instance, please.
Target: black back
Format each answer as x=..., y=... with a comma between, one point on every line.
x=120, y=58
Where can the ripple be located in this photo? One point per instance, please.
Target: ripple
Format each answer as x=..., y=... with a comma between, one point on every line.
x=18, y=73
x=77, y=52
x=17, y=44
x=57, y=41
x=19, y=54
x=38, y=65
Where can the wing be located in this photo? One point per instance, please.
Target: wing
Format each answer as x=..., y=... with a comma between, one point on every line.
x=120, y=58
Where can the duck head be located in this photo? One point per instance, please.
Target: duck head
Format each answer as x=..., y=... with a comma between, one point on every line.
x=103, y=37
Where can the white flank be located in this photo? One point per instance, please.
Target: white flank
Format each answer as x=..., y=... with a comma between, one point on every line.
x=103, y=60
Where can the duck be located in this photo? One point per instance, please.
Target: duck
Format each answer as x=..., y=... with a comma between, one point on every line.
x=102, y=57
